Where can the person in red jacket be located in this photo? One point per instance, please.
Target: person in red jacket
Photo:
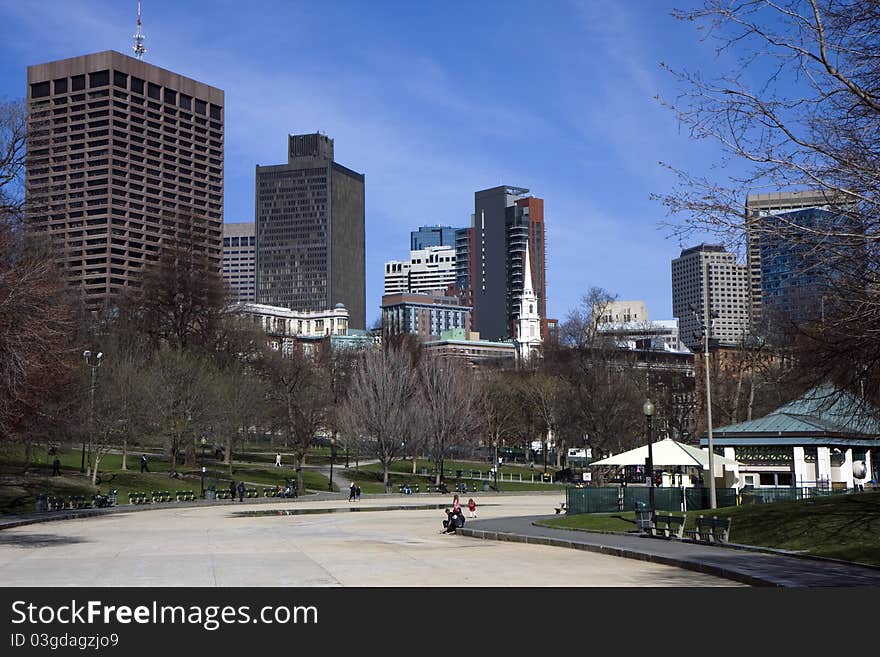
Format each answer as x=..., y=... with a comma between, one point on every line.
x=472, y=508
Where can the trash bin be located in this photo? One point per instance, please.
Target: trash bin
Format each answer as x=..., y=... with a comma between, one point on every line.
x=388, y=488
x=111, y=497
x=211, y=494
x=485, y=486
x=424, y=471
x=644, y=517
x=41, y=502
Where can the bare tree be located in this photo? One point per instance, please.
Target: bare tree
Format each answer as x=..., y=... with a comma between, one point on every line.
x=37, y=315
x=798, y=110
x=449, y=407
x=182, y=389
x=298, y=390
x=122, y=407
x=498, y=404
x=379, y=410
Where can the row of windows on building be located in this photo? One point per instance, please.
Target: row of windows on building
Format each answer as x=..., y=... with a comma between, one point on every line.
x=131, y=83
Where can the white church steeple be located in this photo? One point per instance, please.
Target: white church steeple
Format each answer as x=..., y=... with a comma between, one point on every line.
x=528, y=326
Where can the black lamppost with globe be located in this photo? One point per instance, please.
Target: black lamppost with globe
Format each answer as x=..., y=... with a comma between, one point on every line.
x=648, y=410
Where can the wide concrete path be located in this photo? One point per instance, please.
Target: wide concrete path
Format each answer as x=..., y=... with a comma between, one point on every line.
x=223, y=545
x=757, y=568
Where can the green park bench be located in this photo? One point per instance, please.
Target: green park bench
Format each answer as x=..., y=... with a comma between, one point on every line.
x=184, y=496
x=711, y=530
x=223, y=494
x=250, y=492
x=139, y=498
x=270, y=491
x=160, y=496
x=78, y=502
x=55, y=502
x=667, y=526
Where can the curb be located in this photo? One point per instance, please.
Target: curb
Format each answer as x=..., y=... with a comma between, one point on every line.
x=706, y=569
x=732, y=546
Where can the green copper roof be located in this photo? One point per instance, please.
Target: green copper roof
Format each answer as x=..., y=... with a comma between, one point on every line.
x=820, y=410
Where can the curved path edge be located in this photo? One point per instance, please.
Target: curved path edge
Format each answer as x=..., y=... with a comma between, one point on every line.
x=753, y=567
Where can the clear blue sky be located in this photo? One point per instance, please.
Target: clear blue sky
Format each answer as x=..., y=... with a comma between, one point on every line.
x=432, y=101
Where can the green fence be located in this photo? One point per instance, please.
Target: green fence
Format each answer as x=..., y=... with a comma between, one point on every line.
x=610, y=499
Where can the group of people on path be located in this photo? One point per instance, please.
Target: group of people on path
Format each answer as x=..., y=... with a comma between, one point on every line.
x=242, y=489
x=354, y=492
x=455, y=515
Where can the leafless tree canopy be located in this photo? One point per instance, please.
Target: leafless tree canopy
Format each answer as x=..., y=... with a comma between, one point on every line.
x=798, y=110
x=448, y=407
x=381, y=404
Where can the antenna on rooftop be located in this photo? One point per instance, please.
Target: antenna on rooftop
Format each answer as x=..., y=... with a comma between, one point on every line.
x=138, y=46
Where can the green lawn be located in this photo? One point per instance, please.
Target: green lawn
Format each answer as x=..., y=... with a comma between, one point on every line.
x=837, y=526
x=18, y=490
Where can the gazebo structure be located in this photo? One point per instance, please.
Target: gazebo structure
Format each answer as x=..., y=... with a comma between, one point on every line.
x=824, y=439
x=682, y=465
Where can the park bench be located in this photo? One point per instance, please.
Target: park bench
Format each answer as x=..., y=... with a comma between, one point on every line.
x=78, y=502
x=160, y=496
x=561, y=508
x=250, y=492
x=667, y=526
x=139, y=498
x=711, y=530
x=55, y=503
x=271, y=491
x=223, y=494
x=184, y=496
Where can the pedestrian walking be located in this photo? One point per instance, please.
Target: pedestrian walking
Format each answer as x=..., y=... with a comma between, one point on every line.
x=456, y=505
x=241, y=490
x=472, y=508
x=357, y=493
x=232, y=490
x=352, y=491
x=144, y=467
x=278, y=460
x=56, y=467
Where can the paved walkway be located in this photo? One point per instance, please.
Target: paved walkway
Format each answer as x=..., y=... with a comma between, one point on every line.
x=741, y=565
x=310, y=543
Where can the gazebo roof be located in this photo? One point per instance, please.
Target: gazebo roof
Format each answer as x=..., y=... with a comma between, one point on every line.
x=820, y=411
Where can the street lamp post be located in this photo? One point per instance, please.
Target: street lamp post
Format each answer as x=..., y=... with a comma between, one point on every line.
x=93, y=365
x=648, y=410
x=332, y=458
x=706, y=336
x=203, y=441
x=203, y=482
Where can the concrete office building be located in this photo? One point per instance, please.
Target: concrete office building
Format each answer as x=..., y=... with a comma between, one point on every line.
x=239, y=261
x=616, y=312
x=709, y=275
x=506, y=221
x=427, y=236
x=429, y=269
x=310, y=231
x=123, y=158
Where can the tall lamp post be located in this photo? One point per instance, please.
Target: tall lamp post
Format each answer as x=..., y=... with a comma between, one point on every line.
x=93, y=365
x=648, y=410
x=332, y=458
x=203, y=441
x=707, y=328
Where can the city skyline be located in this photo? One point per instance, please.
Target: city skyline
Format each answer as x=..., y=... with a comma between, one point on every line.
x=432, y=124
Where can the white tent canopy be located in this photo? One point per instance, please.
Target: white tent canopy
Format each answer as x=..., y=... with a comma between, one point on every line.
x=668, y=453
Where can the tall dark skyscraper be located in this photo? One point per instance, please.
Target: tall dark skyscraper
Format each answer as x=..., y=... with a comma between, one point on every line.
x=505, y=220
x=123, y=157
x=310, y=231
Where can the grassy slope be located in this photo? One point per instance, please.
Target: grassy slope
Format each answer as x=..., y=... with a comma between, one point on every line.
x=18, y=490
x=838, y=526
